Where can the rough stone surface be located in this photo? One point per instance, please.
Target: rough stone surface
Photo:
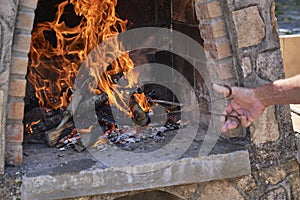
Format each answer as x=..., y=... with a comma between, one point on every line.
x=220, y=190
x=218, y=50
x=268, y=65
x=97, y=181
x=277, y=194
x=294, y=180
x=10, y=185
x=249, y=26
x=6, y=8
x=188, y=191
x=291, y=167
x=4, y=77
x=208, y=10
x=272, y=175
x=213, y=30
x=247, y=183
x=246, y=67
x=225, y=69
x=265, y=128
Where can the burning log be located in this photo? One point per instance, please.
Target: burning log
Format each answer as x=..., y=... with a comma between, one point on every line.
x=139, y=116
x=46, y=124
x=53, y=135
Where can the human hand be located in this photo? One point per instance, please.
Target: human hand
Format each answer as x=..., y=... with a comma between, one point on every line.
x=244, y=106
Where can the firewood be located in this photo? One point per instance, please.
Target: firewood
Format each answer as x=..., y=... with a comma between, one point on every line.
x=139, y=116
x=53, y=135
x=47, y=124
x=89, y=139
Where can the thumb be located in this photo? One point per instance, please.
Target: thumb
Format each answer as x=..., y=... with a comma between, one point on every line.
x=227, y=91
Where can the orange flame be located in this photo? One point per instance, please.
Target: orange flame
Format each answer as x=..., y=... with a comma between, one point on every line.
x=53, y=67
x=141, y=99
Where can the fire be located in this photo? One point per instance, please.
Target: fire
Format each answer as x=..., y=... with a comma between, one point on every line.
x=54, y=65
x=141, y=99
x=29, y=126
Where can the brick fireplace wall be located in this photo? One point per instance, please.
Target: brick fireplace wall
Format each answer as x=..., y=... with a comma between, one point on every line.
x=16, y=25
x=242, y=39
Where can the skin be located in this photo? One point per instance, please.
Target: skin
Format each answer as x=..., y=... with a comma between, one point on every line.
x=248, y=104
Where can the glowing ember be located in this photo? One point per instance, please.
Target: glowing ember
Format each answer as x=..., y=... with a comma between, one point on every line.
x=54, y=66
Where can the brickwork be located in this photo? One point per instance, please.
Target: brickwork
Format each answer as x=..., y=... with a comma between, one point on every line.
x=17, y=82
x=214, y=32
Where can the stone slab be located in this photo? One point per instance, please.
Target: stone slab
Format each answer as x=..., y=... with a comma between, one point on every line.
x=98, y=180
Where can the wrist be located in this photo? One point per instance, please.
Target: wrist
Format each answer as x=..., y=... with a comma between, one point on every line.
x=262, y=95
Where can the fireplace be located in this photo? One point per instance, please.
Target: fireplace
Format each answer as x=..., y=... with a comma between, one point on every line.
x=179, y=48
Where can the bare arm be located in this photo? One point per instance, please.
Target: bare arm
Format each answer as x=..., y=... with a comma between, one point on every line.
x=285, y=91
x=248, y=104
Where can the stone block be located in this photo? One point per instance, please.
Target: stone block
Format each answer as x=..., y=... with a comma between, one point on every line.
x=278, y=193
x=16, y=110
x=22, y=43
x=218, y=50
x=208, y=10
x=226, y=69
x=291, y=167
x=265, y=128
x=246, y=67
x=94, y=180
x=19, y=65
x=272, y=175
x=294, y=180
x=249, y=26
x=220, y=190
x=29, y=3
x=25, y=21
x=213, y=30
x=17, y=87
x=247, y=183
x=269, y=65
x=14, y=133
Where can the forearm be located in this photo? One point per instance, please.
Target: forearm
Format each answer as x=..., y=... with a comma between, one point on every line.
x=286, y=91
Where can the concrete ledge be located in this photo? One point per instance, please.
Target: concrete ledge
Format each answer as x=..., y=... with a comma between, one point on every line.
x=96, y=180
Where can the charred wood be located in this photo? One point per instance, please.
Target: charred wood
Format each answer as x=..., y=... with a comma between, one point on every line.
x=139, y=116
x=47, y=123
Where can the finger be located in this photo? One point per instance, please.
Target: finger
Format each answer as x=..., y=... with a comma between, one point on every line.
x=229, y=125
x=229, y=110
x=225, y=90
x=245, y=121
